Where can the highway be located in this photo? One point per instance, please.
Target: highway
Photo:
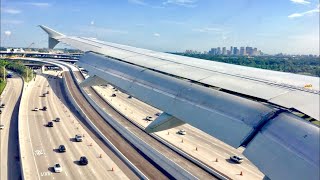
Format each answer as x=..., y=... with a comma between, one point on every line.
x=44, y=141
x=196, y=143
x=9, y=152
x=181, y=161
x=133, y=155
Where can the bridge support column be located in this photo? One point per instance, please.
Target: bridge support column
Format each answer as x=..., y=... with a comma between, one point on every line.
x=43, y=68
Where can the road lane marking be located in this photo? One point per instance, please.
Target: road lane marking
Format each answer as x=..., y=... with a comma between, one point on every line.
x=34, y=159
x=46, y=173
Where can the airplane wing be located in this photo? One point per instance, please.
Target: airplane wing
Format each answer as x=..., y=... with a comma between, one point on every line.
x=241, y=106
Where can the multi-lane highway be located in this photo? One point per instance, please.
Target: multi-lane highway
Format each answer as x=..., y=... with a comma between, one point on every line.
x=196, y=143
x=9, y=152
x=44, y=141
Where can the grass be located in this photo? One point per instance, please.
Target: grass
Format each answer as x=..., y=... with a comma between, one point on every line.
x=2, y=85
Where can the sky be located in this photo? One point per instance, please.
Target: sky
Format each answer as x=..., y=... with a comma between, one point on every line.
x=274, y=26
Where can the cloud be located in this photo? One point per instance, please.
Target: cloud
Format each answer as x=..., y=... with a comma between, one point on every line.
x=92, y=22
x=6, y=21
x=7, y=33
x=207, y=30
x=156, y=34
x=10, y=11
x=39, y=4
x=139, y=2
x=310, y=12
x=300, y=1
x=185, y=3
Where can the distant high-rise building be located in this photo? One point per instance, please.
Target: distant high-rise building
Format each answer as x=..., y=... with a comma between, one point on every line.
x=242, y=51
x=213, y=51
x=249, y=51
x=255, y=52
x=224, y=51
x=235, y=51
x=231, y=50
x=218, y=51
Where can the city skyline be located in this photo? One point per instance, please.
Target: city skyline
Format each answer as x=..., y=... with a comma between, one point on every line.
x=169, y=25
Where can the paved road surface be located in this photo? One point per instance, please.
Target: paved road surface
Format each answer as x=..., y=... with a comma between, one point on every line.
x=9, y=145
x=208, y=148
x=130, y=152
x=45, y=140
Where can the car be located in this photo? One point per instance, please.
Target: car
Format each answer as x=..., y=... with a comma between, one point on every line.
x=158, y=114
x=182, y=132
x=57, y=168
x=44, y=108
x=57, y=119
x=113, y=95
x=2, y=105
x=83, y=160
x=237, y=159
x=129, y=97
x=115, y=89
x=1, y=126
x=50, y=124
x=149, y=118
x=44, y=95
x=47, y=92
x=78, y=138
x=36, y=109
x=0, y=111
x=62, y=148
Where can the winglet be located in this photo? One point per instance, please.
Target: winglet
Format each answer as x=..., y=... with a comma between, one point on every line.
x=53, y=36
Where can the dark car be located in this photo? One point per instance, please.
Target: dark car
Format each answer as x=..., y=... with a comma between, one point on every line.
x=83, y=160
x=2, y=105
x=57, y=119
x=50, y=124
x=44, y=108
x=129, y=97
x=113, y=95
x=0, y=111
x=62, y=148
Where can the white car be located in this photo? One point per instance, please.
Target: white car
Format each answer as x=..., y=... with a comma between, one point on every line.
x=78, y=138
x=57, y=168
x=182, y=132
x=236, y=159
x=36, y=109
x=1, y=126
